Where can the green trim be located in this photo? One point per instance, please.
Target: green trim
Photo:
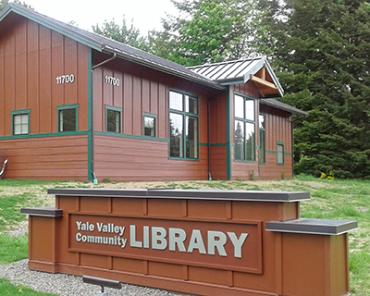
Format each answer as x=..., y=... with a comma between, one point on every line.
x=155, y=124
x=90, y=122
x=228, y=134
x=124, y=136
x=41, y=136
x=213, y=145
x=67, y=107
x=184, y=114
x=21, y=112
x=116, y=109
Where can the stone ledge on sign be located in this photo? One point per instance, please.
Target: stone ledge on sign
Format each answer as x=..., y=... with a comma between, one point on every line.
x=231, y=195
x=43, y=212
x=312, y=226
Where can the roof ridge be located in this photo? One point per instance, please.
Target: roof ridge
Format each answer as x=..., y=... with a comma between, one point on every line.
x=227, y=62
x=100, y=42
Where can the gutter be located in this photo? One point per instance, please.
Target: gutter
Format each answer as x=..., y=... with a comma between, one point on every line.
x=163, y=69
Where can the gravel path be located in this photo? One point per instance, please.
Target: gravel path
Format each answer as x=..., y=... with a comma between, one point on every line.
x=61, y=284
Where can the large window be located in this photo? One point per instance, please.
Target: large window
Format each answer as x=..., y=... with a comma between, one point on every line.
x=280, y=153
x=21, y=122
x=149, y=125
x=183, y=121
x=244, y=129
x=262, y=128
x=67, y=118
x=113, y=118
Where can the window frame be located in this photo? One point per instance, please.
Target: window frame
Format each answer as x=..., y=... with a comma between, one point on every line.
x=264, y=132
x=184, y=114
x=21, y=112
x=245, y=121
x=68, y=107
x=154, y=116
x=115, y=109
x=283, y=153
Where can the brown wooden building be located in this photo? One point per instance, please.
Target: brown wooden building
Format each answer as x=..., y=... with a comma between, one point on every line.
x=74, y=105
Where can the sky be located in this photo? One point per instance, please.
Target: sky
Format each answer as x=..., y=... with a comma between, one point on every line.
x=145, y=14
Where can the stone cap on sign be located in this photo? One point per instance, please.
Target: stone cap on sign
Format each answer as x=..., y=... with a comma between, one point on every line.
x=234, y=195
x=312, y=226
x=43, y=212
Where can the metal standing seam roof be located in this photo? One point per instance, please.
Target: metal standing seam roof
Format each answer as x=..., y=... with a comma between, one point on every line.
x=237, y=71
x=282, y=106
x=104, y=44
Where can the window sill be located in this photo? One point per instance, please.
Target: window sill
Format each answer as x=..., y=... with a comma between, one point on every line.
x=183, y=159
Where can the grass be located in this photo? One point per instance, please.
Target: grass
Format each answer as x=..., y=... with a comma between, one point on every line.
x=336, y=199
x=8, y=289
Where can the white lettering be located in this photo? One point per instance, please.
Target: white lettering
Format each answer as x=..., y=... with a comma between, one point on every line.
x=159, y=241
x=216, y=240
x=146, y=237
x=196, y=242
x=176, y=236
x=133, y=242
x=237, y=242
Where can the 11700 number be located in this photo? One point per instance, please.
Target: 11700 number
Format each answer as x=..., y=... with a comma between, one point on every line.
x=65, y=79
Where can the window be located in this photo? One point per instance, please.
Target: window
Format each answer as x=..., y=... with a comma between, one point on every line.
x=280, y=153
x=21, y=122
x=67, y=118
x=149, y=125
x=262, y=127
x=113, y=119
x=183, y=125
x=244, y=129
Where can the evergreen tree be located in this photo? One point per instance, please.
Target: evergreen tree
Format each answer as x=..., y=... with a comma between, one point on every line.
x=124, y=32
x=321, y=49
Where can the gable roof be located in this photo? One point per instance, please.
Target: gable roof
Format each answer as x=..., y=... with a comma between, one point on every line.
x=237, y=71
x=104, y=44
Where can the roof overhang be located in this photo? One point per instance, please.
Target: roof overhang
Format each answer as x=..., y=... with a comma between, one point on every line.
x=275, y=103
x=90, y=42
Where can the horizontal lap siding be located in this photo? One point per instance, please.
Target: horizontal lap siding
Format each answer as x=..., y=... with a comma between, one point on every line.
x=140, y=160
x=54, y=158
x=142, y=91
x=31, y=56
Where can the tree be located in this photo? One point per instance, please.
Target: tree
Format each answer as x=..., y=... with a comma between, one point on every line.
x=321, y=49
x=4, y=3
x=124, y=32
x=204, y=31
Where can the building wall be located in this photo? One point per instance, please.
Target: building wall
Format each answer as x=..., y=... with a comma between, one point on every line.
x=278, y=129
x=31, y=56
x=130, y=155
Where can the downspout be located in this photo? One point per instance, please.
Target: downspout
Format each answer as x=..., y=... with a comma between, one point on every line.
x=90, y=137
x=292, y=143
x=208, y=140
x=105, y=61
x=228, y=137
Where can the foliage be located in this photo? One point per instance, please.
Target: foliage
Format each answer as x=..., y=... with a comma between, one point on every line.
x=4, y=3
x=204, y=31
x=7, y=289
x=124, y=32
x=13, y=248
x=321, y=49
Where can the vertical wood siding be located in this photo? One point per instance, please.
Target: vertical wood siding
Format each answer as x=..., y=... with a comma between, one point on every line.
x=31, y=56
x=278, y=129
x=130, y=155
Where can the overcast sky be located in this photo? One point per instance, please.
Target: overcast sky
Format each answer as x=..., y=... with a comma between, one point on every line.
x=145, y=14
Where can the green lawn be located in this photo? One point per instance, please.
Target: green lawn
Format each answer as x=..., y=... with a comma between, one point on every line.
x=8, y=289
x=336, y=199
